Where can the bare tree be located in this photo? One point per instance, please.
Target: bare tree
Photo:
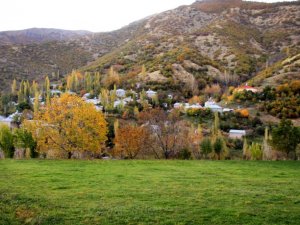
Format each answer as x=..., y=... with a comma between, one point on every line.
x=166, y=137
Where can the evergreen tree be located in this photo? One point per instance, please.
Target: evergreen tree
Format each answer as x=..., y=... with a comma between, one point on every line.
x=206, y=147
x=6, y=141
x=218, y=147
x=285, y=137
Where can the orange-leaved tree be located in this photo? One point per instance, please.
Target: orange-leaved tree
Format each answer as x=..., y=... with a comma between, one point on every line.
x=68, y=125
x=130, y=140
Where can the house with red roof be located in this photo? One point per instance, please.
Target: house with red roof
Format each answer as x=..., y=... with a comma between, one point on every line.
x=246, y=88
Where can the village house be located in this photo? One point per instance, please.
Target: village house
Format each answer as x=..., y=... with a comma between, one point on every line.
x=121, y=93
x=151, y=94
x=237, y=134
x=193, y=106
x=227, y=110
x=86, y=96
x=210, y=104
x=178, y=105
x=94, y=101
x=55, y=92
x=246, y=88
x=10, y=120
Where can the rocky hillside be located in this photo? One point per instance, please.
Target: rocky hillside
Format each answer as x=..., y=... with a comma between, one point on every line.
x=228, y=42
x=54, y=55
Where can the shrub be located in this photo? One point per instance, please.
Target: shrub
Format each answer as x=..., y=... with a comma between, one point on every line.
x=206, y=147
x=256, y=151
x=185, y=154
x=7, y=141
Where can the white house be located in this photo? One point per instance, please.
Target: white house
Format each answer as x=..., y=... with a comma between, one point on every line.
x=86, y=96
x=99, y=108
x=55, y=92
x=227, y=110
x=128, y=99
x=121, y=93
x=94, y=101
x=8, y=121
x=151, y=93
x=237, y=134
x=194, y=106
x=119, y=103
x=213, y=106
x=178, y=105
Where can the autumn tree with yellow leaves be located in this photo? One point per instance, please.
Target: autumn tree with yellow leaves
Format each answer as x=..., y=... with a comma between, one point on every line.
x=68, y=125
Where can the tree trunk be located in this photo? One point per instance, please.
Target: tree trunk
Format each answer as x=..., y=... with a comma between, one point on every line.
x=69, y=155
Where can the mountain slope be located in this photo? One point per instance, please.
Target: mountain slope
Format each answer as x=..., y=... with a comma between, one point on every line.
x=227, y=42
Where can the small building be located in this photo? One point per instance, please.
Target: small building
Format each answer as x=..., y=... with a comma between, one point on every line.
x=178, y=105
x=227, y=110
x=10, y=121
x=86, y=96
x=94, y=101
x=213, y=106
x=99, y=108
x=55, y=92
x=121, y=93
x=193, y=106
x=7, y=122
x=151, y=93
x=239, y=134
x=246, y=88
x=119, y=103
x=128, y=99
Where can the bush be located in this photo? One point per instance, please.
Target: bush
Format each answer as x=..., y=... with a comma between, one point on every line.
x=185, y=154
x=7, y=141
x=206, y=147
x=23, y=105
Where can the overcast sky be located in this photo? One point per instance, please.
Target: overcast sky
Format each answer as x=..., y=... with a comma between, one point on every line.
x=93, y=15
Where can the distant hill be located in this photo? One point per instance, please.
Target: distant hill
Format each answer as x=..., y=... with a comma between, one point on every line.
x=38, y=35
x=228, y=41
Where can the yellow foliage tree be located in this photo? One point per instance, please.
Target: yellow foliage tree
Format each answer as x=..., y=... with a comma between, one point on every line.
x=68, y=125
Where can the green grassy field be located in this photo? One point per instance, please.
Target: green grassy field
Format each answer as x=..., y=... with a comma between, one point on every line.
x=149, y=192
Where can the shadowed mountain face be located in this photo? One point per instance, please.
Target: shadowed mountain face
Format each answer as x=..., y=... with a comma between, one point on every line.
x=209, y=41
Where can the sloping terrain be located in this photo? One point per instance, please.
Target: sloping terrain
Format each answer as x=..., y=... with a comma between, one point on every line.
x=227, y=45
x=227, y=42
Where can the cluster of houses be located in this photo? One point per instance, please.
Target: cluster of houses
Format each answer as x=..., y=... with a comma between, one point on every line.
x=123, y=99
x=210, y=104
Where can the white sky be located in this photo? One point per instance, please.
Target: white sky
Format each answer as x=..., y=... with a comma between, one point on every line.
x=93, y=15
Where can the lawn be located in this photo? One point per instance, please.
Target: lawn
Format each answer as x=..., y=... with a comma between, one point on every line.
x=149, y=192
